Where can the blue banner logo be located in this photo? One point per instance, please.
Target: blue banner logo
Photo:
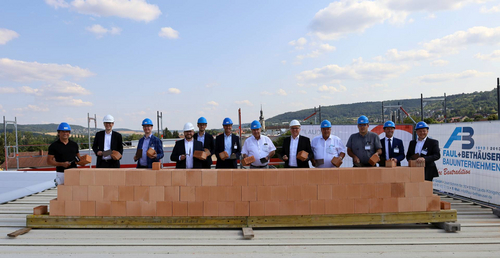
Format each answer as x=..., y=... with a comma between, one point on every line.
x=467, y=133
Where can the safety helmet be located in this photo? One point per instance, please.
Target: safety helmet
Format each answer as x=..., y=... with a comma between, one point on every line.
x=188, y=127
x=108, y=119
x=421, y=125
x=363, y=120
x=255, y=125
x=64, y=127
x=294, y=123
x=202, y=120
x=389, y=124
x=147, y=121
x=227, y=121
x=326, y=124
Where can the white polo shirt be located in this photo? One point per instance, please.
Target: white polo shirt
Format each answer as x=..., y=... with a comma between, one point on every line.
x=258, y=148
x=327, y=150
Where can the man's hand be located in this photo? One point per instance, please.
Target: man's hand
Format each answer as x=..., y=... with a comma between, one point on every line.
x=66, y=164
x=421, y=160
x=135, y=158
x=394, y=159
x=99, y=153
x=285, y=157
x=355, y=159
x=183, y=157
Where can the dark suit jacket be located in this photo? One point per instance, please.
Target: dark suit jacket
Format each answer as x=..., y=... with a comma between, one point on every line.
x=116, y=144
x=304, y=145
x=219, y=147
x=179, y=149
x=210, y=145
x=395, y=142
x=433, y=154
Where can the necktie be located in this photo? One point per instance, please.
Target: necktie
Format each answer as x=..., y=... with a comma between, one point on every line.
x=391, y=151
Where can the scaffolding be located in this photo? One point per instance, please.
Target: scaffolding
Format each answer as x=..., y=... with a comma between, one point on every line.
x=6, y=146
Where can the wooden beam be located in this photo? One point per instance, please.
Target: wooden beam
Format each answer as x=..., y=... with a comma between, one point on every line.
x=19, y=232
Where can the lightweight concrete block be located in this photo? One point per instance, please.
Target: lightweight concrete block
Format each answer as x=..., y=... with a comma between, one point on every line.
x=56, y=207
x=179, y=177
x=285, y=177
x=317, y=207
x=118, y=208
x=195, y=208
x=271, y=177
x=376, y=205
x=240, y=177
x=133, y=177
x=361, y=205
x=417, y=174
x=80, y=193
x=103, y=208
x=188, y=193
x=209, y=177
x=164, y=177
x=224, y=177
x=87, y=177
x=287, y=207
x=72, y=177
x=324, y=192
x=87, y=208
x=249, y=193
x=65, y=193
x=193, y=178
x=255, y=177
x=102, y=177
x=330, y=176
x=164, y=208
x=157, y=193
x=72, y=208
x=110, y=193
x=226, y=208
x=242, y=209
x=134, y=208
x=141, y=193
x=125, y=193
x=156, y=166
x=179, y=208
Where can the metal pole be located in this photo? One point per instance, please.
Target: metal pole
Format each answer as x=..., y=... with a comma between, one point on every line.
x=239, y=122
x=88, y=132
x=320, y=113
x=421, y=107
x=158, y=122
x=161, y=124
x=399, y=114
x=382, y=121
x=5, y=143
x=445, y=119
x=17, y=145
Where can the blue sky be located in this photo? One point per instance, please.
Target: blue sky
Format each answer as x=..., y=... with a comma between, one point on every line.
x=60, y=60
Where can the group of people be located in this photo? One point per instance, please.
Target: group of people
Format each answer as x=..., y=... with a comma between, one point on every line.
x=322, y=151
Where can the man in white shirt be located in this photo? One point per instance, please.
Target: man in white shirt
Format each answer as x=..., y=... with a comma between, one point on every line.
x=183, y=152
x=293, y=145
x=259, y=146
x=326, y=147
x=105, y=142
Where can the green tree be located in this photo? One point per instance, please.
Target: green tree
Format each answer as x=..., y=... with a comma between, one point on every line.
x=166, y=133
x=493, y=117
x=175, y=134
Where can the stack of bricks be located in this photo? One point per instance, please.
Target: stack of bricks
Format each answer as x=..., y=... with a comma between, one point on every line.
x=241, y=192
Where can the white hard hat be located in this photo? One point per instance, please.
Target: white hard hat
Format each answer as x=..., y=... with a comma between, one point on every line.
x=108, y=119
x=188, y=127
x=294, y=123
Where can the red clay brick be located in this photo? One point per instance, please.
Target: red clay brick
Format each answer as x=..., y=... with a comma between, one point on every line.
x=241, y=209
x=359, y=176
x=40, y=210
x=331, y=176
x=368, y=191
x=195, y=208
x=376, y=205
x=179, y=208
x=172, y=193
x=148, y=208
x=294, y=192
x=388, y=175
x=208, y=177
x=426, y=188
x=279, y=193
x=156, y=166
x=220, y=193
x=224, y=177
x=141, y=193
x=403, y=174
x=285, y=177
x=65, y=193
x=125, y=193
x=375, y=175
x=264, y=193
x=417, y=174
x=324, y=192
x=87, y=177
x=300, y=177
x=345, y=176
x=315, y=177
x=148, y=177
x=110, y=193
x=164, y=177
x=354, y=191
x=317, y=207
x=397, y=190
x=210, y=208
x=118, y=208
x=287, y=207
x=102, y=177
x=390, y=164
x=103, y=208
x=117, y=177
x=233, y=193
x=433, y=203
x=271, y=177
x=361, y=205
x=179, y=177
x=404, y=205
x=213, y=192
x=72, y=208
x=226, y=208
x=419, y=203
x=255, y=177
x=339, y=191
x=272, y=208
x=80, y=193
x=188, y=194
x=390, y=204
x=72, y=177
x=412, y=189
x=303, y=207
x=249, y=193
x=332, y=206
x=133, y=177
x=384, y=190
x=164, y=208
x=157, y=193
x=202, y=193
x=56, y=208
x=240, y=177
x=346, y=206
x=95, y=193
x=309, y=192
x=193, y=178
x=445, y=205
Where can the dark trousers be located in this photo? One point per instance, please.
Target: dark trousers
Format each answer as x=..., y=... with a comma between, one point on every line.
x=110, y=163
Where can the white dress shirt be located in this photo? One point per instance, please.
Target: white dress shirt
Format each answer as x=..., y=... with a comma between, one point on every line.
x=107, y=144
x=292, y=159
x=420, y=145
x=387, y=146
x=258, y=148
x=327, y=149
x=188, y=147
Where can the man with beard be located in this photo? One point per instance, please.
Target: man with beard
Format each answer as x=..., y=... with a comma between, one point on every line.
x=63, y=153
x=206, y=139
x=183, y=152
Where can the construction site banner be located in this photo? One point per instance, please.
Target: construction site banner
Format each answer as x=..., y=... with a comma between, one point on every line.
x=470, y=159
x=403, y=132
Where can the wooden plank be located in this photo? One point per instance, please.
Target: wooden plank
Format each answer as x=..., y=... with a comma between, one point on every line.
x=247, y=233
x=19, y=232
x=47, y=221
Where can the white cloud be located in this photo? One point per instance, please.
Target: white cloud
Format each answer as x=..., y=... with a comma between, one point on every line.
x=213, y=84
x=7, y=90
x=283, y=62
x=331, y=89
x=427, y=5
x=430, y=16
x=379, y=85
x=437, y=78
x=460, y=39
x=100, y=31
x=138, y=10
x=33, y=71
x=213, y=103
x=410, y=55
x=494, y=9
x=167, y=32
x=55, y=88
x=493, y=56
x=302, y=92
x=246, y=102
x=7, y=35
x=299, y=43
x=439, y=62
x=57, y=3
x=174, y=91
x=68, y=101
x=265, y=93
x=281, y=92
x=323, y=48
x=357, y=70
x=32, y=108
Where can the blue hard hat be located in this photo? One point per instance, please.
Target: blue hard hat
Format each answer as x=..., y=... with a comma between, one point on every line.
x=389, y=124
x=147, y=121
x=363, y=120
x=202, y=120
x=326, y=124
x=255, y=125
x=421, y=125
x=64, y=127
x=227, y=121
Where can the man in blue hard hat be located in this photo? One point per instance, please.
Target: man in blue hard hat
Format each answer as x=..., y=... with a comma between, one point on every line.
x=259, y=146
x=362, y=145
x=183, y=152
x=293, y=145
x=424, y=150
x=207, y=140
x=63, y=153
x=326, y=147
x=149, y=141
x=229, y=143
x=392, y=147
x=105, y=142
